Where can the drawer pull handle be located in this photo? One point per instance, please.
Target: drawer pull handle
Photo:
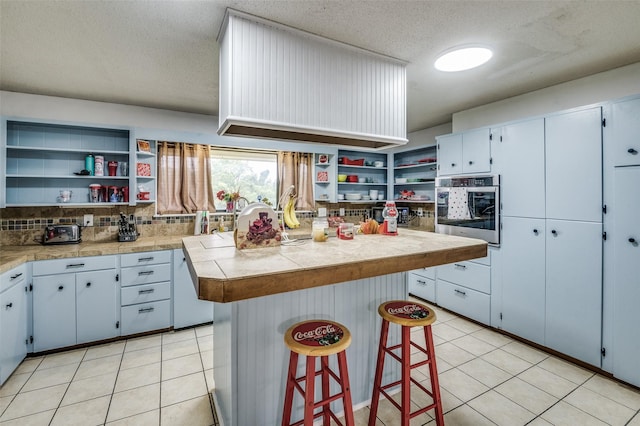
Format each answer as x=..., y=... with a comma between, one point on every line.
x=147, y=291
x=632, y=240
x=145, y=310
x=460, y=292
x=421, y=282
x=60, y=288
x=145, y=259
x=10, y=305
x=13, y=277
x=75, y=265
x=145, y=273
x=457, y=265
x=535, y=232
x=632, y=151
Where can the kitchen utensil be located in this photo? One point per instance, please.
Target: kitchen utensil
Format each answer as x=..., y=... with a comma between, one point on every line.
x=127, y=230
x=112, y=166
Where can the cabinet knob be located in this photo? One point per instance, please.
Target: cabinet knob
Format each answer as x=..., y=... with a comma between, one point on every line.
x=470, y=162
x=60, y=288
x=88, y=284
x=554, y=232
x=10, y=305
x=632, y=151
x=632, y=240
x=453, y=164
x=535, y=232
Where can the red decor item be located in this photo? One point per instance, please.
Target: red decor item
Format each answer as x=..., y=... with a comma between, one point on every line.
x=143, y=169
x=322, y=177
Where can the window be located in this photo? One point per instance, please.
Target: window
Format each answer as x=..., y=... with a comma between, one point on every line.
x=254, y=174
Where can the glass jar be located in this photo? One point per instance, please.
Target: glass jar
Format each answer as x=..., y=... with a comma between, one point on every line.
x=320, y=229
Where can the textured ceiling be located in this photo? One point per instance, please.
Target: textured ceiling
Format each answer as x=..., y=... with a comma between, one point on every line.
x=163, y=54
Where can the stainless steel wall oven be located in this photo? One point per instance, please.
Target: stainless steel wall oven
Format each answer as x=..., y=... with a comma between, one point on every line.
x=469, y=206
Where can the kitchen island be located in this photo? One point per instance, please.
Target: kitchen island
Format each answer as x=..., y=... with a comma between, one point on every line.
x=261, y=292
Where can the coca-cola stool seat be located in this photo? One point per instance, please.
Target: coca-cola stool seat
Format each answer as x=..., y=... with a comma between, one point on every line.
x=406, y=314
x=317, y=339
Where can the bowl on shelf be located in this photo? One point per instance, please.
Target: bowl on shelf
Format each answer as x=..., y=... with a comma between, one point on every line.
x=340, y=196
x=378, y=164
x=401, y=180
x=353, y=196
x=352, y=178
x=342, y=178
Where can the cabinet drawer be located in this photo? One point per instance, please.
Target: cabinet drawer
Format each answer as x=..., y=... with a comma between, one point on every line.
x=12, y=277
x=425, y=272
x=468, y=274
x=77, y=264
x=145, y=274
x=145, y=258
x=422, y=287
x=467, y=302
x=145, y=293
x=145, y=317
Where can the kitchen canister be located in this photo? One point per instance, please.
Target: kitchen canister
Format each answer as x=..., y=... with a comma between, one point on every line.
x=99, y=165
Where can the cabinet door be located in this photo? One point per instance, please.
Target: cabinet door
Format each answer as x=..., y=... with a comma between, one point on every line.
x=574, y=166
x=476, y=152
x=625, y=132
x=626, y=279
x=450, y=154
x=523, y=277
x=13, y=329
x=519, y=159
x=54, y=311
x=574, y=289
x=96, y=309
x=187, y=308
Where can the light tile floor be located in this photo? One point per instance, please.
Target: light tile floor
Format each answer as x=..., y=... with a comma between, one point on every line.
x=486, y=378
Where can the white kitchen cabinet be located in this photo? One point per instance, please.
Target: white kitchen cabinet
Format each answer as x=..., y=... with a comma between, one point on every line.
x=523, y=278
x=573, y=320
x=464, y=153
x=420, y=285
x=54, y=311
x=188, y=310
x=625, y=132
x=13, y=320
x=518, y=157
x=574, y=165
x=449, y=154
x=96, y=306
x=625, y=238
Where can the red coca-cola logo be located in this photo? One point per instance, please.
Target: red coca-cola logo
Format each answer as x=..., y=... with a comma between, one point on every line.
x=317, y=334
x=406, y=310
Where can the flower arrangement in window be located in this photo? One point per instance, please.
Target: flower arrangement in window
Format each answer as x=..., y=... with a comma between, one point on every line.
x=228, y=197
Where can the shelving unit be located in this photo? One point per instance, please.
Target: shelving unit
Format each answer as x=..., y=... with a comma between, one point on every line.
x=146, y=182
x=419, y=168
x=376, y=177
x=324, y=165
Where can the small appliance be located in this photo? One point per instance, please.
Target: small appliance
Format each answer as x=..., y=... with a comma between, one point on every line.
x=62, y=234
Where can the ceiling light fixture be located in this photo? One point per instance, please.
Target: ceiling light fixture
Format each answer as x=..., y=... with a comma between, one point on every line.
x=463, y=58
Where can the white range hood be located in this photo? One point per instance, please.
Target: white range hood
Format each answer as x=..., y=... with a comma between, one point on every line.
x=278, y=82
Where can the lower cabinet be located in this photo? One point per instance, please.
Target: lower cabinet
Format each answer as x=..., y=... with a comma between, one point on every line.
x=54, y=311
x=13, y=320
x=188, y=310
x=96, y=306
x=421, y=285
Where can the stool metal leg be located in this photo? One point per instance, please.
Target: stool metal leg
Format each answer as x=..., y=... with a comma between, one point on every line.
x=324, y=365
x=288, y=398
x=377, y=381
x=433, y=372
x=309, y=386
x=345, y=385
x=406, y=376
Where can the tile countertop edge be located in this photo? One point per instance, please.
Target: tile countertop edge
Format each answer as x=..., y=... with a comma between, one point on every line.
x=414, y=249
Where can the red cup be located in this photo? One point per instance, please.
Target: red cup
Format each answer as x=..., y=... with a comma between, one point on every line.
x=125, y=194
x=113, y=167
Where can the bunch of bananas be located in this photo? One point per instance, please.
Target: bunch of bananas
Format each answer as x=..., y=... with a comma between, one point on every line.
x=289, y=213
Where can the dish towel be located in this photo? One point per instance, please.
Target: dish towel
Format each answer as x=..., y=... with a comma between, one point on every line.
x=458, y=204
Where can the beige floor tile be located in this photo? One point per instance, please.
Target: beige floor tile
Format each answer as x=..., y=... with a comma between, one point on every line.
x=13, y=385
x=90, y=388
x=446, y=332
x=539, y=421
x=566, y=369
x=635, y=421
x=39, y=419
x=182, y=366
x=500, y=410
x=143, y=342
x=525, y=352
x=389, y=415
x=182, y=389
x=63, y=358
x=600, y=407
x=547, y=381
x=484, y=372
x=4, y=402
x=506, y=361
x=204, y=330
x=361, y=418
x=492, y=337
x=449, y=400
x=452, y=354
x=101, y=351
x=527, y=395
x=618, y=392
x=474, y=346
x=98, y=367
x=208, y=375
x=92, y=412
x=464, y=416
x=464, y=325
x=178, y=336
x=461, y=385
x=563, y=414
x=178, y=349
x=134, y=401
x=205, y=343
x=141, y=357
x=26, y=403
x=207, y=359
x=150, y=418
x=28, y=365
x=50, y=377
x=194, y=412
x=137, y=377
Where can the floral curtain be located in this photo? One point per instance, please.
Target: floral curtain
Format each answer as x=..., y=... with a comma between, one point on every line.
x=296, y=168
x=184, y=178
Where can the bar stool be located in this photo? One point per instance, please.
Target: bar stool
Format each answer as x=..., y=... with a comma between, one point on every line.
x=407, y=314
x=317, y=338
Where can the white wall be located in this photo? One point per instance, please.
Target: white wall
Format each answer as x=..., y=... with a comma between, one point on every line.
x=605, y=86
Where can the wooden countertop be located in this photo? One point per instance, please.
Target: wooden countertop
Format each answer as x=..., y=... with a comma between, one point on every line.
x=224, y=274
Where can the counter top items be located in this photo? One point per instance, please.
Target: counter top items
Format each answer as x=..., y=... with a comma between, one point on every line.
x=257, y=227
x=127, y=230
x=62, y=234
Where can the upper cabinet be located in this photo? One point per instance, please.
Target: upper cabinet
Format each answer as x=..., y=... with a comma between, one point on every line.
x=625, y=132
x=361, y=174
x=45, y=163
x=325, y=177
x=463, y=153
x=145, y=171
x=414, y=174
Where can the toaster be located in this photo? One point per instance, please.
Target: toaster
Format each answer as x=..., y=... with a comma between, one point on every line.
x=62, y=234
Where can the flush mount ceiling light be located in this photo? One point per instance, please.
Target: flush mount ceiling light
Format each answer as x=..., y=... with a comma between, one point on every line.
x=463, y=58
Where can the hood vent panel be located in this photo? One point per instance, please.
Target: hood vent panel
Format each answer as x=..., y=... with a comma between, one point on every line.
x=277, y=82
